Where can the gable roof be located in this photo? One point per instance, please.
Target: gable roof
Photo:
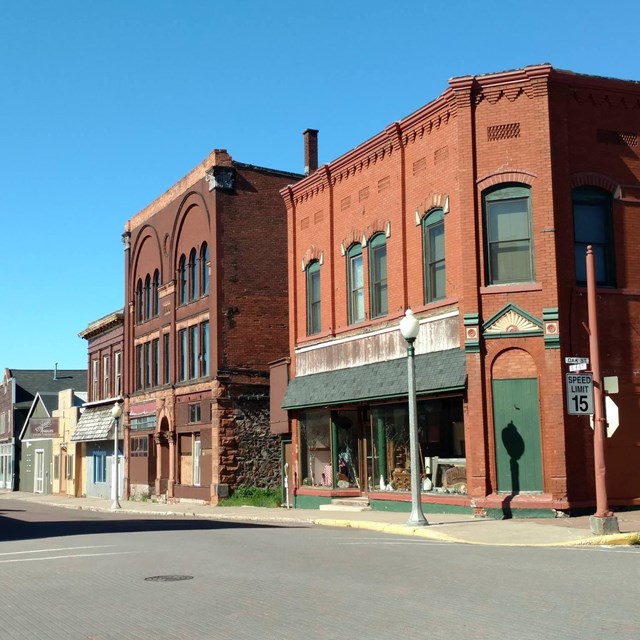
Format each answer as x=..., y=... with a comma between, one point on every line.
x=48, y=400
x=31, y=381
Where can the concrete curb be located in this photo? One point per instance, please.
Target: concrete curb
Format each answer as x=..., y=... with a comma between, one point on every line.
x=628, y=539
x=432, y=532
x=232, y=517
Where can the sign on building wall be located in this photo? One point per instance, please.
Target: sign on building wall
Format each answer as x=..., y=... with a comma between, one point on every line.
x=42, y=427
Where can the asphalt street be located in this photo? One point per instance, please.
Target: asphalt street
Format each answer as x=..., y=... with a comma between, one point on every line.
x=68, y=574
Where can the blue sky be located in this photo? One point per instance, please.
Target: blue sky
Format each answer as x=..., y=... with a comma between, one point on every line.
x=104, y=105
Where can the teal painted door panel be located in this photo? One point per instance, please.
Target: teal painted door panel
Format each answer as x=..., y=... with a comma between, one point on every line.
x=516, y=417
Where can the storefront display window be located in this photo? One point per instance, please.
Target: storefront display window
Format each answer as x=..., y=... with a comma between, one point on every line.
x=368, y=448
x=315, y=449
x=440, y=441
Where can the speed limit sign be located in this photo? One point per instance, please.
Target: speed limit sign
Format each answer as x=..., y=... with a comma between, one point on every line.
x=579, y=393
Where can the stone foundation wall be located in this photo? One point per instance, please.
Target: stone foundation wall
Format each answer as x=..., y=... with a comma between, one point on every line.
x=258, y=450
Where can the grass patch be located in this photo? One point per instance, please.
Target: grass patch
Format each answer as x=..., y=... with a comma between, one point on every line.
x=253, y=497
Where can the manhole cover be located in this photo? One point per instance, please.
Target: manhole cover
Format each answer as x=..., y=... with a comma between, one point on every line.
x=167, y=578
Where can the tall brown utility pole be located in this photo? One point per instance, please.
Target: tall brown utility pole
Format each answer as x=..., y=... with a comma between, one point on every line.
x=603, y=522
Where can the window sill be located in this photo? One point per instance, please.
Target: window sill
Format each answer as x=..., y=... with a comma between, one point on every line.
x=515, y=287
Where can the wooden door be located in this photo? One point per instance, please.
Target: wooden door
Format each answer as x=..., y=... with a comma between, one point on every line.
x=516, y=419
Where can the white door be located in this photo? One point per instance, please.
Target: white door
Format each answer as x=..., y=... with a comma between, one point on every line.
x=38, y=486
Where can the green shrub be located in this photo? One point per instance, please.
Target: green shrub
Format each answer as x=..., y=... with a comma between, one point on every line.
x=254, y=497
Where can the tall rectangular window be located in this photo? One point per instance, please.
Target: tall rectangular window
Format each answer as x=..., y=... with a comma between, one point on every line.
x=155, y=362
x=355, y=284
x=139, y=368
x=117, y=373
x=183, y=356
x=204, y=349
x=433, y=251
x=194, y=352
x=95, y=380
x=165, y=359
x=592, y=225
x=106, y=362
x=378, y=275
x=313, y=298
x=508, y=234
x=147, y=364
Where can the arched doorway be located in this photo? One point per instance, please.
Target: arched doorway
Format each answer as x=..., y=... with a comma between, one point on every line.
x=516, y=423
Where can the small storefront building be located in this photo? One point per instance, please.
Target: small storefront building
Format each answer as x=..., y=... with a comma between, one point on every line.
x=94, y=448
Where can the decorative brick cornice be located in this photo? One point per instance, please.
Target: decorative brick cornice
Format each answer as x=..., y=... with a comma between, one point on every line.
x=103, y=325
x=218, y=157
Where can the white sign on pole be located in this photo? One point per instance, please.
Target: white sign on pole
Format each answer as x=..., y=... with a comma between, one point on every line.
x=574, y=360
x=579, y=388
x=612, y=415
x=579, y=367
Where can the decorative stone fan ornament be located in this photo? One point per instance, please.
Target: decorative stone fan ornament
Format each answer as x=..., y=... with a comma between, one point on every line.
x=512, y=322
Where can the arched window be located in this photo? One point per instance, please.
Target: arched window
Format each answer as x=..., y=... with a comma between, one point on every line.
x=182, y=280
x=378, y=275
x=139, y=301
x=313, y=298
x=155, y=299
x=592, y=225
x=193, y=275
x=204, y=269
x=355, y=284
x=433, y=253
x=507, y=211
x=147, y=297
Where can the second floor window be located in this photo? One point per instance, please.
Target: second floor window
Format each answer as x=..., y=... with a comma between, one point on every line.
x=378, y=275
x=105, y=376
x=155, y=294
x=433, y=251
x=117, y=373
x=182, y=280
x=166, y=363
x=139, y=302
x=592, y=226
x=313, y=298
x=204, y=269
x=95, y=380
x=194, y=291
x=355, y=284
x=182, y=355
x=509, y=246
x=204, y=348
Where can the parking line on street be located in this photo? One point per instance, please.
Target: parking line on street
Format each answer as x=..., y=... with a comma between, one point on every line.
x=65, y=557
x=94, y=546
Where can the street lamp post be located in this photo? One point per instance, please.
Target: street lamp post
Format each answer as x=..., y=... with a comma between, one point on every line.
x=409, y=328
x=116, y=412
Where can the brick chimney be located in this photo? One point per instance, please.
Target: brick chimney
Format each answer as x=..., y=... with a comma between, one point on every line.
x=310, y=151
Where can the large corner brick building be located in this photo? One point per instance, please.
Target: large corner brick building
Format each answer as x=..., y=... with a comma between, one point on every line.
x=475, y=212
x=206, y=311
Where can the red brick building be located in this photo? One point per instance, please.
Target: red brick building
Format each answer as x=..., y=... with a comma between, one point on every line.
x=475, y=212
x=206, y=310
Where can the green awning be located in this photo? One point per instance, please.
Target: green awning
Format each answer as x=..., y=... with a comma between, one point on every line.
x=436, y=372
